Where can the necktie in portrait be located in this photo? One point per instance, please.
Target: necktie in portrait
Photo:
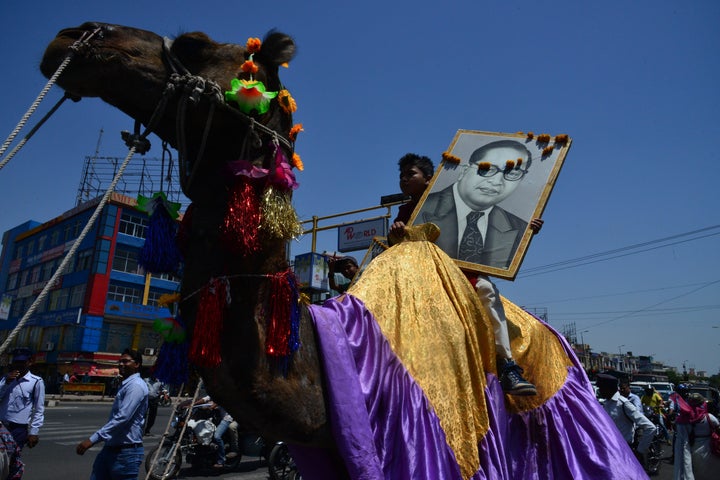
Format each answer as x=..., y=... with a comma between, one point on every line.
x=471, y=244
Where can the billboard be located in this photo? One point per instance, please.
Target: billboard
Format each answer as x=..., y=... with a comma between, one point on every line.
x=359, y=235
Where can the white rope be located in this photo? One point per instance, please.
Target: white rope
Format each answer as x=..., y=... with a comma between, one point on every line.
x=32, y=132
x=34, y=106
x=69, y=255
x=73, y=48
x=179, y=438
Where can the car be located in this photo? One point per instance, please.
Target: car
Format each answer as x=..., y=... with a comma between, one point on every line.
x=665, y=389
x=638, y=388
x=711, y=394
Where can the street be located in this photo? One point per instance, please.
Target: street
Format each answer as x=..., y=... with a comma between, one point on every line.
x=70, y=422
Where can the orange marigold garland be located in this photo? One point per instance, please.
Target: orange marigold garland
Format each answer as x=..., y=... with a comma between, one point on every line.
x=484, y=166
x=249, y=66
x=297, y=162
x=253, y=45
x=286, y=101
x=297, y=128
x=205, y=344
x=450, y=158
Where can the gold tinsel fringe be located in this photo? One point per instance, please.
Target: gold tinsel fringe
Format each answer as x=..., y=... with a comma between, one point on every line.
x=279, y=217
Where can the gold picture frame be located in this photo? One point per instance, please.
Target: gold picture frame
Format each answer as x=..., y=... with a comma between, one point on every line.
x=490, y=185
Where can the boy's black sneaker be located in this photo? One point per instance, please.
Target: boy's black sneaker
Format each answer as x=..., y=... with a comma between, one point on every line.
x=512, y=381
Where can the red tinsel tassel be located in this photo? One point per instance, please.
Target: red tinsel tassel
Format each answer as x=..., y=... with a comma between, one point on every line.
x=205, y=346
x=277, y=341
x=241, y=226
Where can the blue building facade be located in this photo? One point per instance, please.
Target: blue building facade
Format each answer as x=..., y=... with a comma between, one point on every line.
x=101, y=304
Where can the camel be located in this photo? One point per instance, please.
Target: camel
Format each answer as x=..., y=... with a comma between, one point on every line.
x=372, y=388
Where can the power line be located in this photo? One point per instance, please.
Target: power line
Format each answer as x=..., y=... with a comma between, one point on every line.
x=647, y=312
x=618, y=252
x=606, y=295
x=642, y=310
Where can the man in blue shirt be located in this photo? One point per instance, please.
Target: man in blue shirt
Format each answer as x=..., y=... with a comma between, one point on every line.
x=22, y=400
x=123, y=451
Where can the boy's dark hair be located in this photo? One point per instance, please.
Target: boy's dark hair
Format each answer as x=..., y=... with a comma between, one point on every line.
x=135, y=355
x=423, y=163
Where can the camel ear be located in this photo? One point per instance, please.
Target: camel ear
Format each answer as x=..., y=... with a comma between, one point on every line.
x=277, y=48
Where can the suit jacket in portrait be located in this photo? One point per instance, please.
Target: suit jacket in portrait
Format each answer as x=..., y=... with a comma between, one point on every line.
x=501, y=240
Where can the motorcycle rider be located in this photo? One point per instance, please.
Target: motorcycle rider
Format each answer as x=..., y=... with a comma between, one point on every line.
x=226, y=424
x=652, y=399
x=626, y=417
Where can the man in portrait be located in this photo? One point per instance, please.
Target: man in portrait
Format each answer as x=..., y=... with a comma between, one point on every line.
x=473, y=228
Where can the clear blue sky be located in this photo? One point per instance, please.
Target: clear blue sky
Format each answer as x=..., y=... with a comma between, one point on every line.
x=635, y=84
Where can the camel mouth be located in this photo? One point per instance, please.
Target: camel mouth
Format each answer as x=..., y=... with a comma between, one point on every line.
x=96, y=51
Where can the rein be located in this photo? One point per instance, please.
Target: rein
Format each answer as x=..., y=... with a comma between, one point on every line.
x=80, y=42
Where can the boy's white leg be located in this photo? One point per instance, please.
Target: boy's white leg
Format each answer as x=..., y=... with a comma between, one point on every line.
x=490, y=298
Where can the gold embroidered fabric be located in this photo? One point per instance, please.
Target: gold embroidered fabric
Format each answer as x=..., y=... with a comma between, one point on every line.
x=428, y=312
x=541, y=355
x=437, y=326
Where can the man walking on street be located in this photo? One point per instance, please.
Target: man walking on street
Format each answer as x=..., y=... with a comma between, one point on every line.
x=154, y=387
x=22, y=400
x=123, y=452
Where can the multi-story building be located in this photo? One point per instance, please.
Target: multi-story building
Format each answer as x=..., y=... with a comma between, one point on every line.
x=102, y=303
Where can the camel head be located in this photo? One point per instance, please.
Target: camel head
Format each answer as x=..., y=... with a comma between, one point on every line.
x=224, y=108
x=132, y=69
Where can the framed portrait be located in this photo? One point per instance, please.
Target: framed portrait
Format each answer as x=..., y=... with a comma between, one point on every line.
x=485, y=192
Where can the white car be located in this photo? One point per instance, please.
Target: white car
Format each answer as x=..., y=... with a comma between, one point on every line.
x=665, y=389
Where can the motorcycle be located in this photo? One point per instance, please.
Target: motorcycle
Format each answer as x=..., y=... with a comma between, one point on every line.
x=193, y=441
x=164, y=400
x=281, y=465
x=653, y=458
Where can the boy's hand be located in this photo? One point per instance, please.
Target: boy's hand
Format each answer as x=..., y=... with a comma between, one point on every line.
x=536, y=224
x=397, y=228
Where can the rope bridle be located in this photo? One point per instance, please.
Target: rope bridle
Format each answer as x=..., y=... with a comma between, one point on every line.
x=192, y=89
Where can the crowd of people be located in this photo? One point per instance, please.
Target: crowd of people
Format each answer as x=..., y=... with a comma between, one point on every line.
x=684, y=414
x=22, y=414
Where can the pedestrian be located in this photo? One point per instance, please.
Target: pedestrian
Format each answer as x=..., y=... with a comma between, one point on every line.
x=347, y=267
x=154, y=388
x=123, y=452
x=626, y=417
x=11, y=467
x=22, y=400
x=627, y=393
x=694, y=425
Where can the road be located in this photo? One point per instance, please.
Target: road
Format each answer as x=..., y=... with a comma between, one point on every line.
x=70, y=422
